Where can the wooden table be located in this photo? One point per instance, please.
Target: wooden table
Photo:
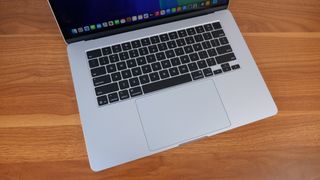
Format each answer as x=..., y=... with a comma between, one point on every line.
x=40, y=132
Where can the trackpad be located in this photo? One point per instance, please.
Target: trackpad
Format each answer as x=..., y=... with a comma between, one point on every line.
x=181, y=114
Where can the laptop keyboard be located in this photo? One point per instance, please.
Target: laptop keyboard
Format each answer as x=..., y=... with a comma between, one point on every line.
x=142, y=66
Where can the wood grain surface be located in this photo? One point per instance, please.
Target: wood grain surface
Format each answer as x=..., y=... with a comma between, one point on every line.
x=40, y=132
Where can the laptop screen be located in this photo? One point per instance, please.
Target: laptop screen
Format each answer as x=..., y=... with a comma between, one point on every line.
x=79, y=18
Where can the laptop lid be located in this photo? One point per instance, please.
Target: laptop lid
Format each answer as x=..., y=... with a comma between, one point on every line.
x=90, y=19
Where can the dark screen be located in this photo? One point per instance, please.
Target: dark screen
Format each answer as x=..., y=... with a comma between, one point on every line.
x=82, y=17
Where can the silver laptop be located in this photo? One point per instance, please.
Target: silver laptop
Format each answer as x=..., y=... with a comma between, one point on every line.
x=151, y=75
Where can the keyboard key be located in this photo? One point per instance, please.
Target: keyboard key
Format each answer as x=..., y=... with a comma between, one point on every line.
x=145, y=42
x=212, y=52
x=224, y=49
x=179, y=51
x=188, y=49
x=193, y=66
x=102, y=100
x=197, y=75
x=126, y=74
x=106, y=51
x=98, y=71
x=141, y=61
x=102, y=80
x=215, y=42
x=134, y=82
x=225, y=58
x=124, y=56
x=156, y=66
x=113, y=97
x=146, y=69
x=126, y=46
x=202, y=64
x=94, y=54
x=153, y=49
x=116, y=48
x=198, y=38
x=223, y=40
x=194, y=57
x=164, y=74
x=206, y=45
x=170, y=54
x=197, y=47
x=208, y=27
x=121, y=66
x=131, y=63
x=154, y=76
x=136, y=44
x=135, y=91
x=136, y=71
x=165, y=64
x=164, y=37
x=114, y=58
x=143, y=51
x=93, y=63
x=111, y=68
x=173, y=35
x=124, y=84
x=124, y=94
x=175, y=61
x=104, y=60
x=207, y=36
x=207, y=72
x=144, y=79
x=181, y=42
x=191, y=31
x=116, y=76
x=218, y=71
x=226, y=67
x=106, y=89
x=216, y=25
x=234, y=67
x=211, y=62
x=189, y=40
x=174, y=71
x=155, y=39
x=134, y=53
x=199, y=29
x=183, y=69
x=151, y=58
x=218, y=33
x=148, y=88
x=162, y=46
x=182, y=33
x=160, y=56
x=203, y=54
x=172, y=44
x=185, y=59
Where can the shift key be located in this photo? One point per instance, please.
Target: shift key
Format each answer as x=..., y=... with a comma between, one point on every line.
x=107, y=89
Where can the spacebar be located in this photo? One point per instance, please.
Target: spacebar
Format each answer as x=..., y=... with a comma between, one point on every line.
x=166, y=83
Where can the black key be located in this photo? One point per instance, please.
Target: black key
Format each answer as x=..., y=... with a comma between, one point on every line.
x=188, y=49
x=102, y=100
x=193, y=66
x=207, y=36
x=106, y=51
x=98, y=71
x=145, y=42
x=131, y=63
x=154, y=76
x=104, y=60
x=212, y=52
x=182, y=33
x=116, y=76
x=164, y=37
x=113, y=97
x=124, y=55
x=175, y=61
x=216, y=25
x=198, y=38
x=226, y=67
x=116, y=48
x=203, y=54
x=189, y=40
x=153, y=49
x=225, y=58
x=172, y=44
x=173, y=35
x=102, y=80
x=191, y=31
x=126, y=46
x=223, y=40
x=141, y=61
x=179, y=51
x=215, y=42
x=208, y=27
x=111, y=68
x=114, y=58
x=134, y=82
x=185, y=59
x=124, y=95
x=202, y=64
x=106, y=89
x=121, y=66
x=234, y=67
x=165, y=64
x=94, y=54
x=164, y=74
x=155, y=39
x=218, y=33
x=206, y=45
x=136, y=71
x=126, y=74
x=151, y=58
x=194, y=57
x=93, y=63
x=211, y=62
x=197, y=75
x=197, y=47
x=146, y=69
x=156, y=66
x=181, y=42
x=136, y=44
x=199, y=29
x=224, y=49
x=218, y=71
x=143, y=51
x=135, y=91
x=207, y=72
x=160, y=56
x=124, y=84
x=166, y=83
x=170, y=54
x=162, y=46
x=174, y=71
x=183, y=69
x=144, y=79
x=134, y=53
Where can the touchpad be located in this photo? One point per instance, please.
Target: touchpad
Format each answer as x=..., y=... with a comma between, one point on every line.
x=180, y=114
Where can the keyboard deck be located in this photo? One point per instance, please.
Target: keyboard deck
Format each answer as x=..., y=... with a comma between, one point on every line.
x=142, y=66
